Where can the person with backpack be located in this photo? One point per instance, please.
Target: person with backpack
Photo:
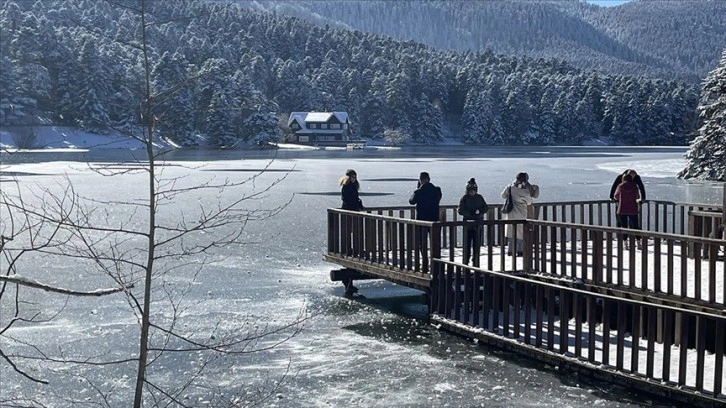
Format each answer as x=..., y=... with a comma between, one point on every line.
x=522, y=194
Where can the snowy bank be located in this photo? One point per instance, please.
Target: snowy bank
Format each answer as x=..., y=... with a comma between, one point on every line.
x=64, y=137
x=58, y=138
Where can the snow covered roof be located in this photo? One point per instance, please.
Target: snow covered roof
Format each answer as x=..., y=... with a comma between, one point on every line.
x=300, y=117
x=317, y=117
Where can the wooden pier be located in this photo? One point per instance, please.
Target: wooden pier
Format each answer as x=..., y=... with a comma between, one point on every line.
x=584, y=295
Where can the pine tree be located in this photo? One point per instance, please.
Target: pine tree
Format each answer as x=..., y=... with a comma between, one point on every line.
x=14, y=106
x=261, y=128
x=473, y=118
x=94, y=90
x=170, y=78
x=706, y=158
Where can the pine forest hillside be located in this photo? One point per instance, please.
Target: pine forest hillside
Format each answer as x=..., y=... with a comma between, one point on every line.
x=657, y=38
x=227, y=75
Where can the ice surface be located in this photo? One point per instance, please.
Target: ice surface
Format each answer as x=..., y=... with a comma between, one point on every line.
x=377, y=352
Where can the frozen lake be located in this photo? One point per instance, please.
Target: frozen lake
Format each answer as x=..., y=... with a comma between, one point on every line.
x=375, y=352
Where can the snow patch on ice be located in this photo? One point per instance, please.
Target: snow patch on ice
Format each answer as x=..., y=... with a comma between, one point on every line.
x=658, y=168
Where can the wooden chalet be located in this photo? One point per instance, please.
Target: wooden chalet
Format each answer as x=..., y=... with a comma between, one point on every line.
x=319, y=128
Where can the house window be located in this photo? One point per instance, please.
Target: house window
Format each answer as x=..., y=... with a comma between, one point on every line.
x=345, y=126
x=295, y=126
x=335, y=126
x=324, y=126
x=313, y=126
x=304, y=139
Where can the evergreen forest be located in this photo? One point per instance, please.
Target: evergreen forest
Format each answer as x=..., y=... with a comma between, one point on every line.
x=655, y=38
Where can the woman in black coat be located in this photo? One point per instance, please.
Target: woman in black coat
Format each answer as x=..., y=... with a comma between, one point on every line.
x=349, y=187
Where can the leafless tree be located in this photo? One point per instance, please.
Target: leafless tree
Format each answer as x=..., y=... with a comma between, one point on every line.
x=136, y=249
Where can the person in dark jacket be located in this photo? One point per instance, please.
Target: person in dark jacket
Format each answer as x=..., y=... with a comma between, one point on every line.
x=618, y=180
x=349, y=187
x=472, y=207
x=627, y=194
x=426, y=198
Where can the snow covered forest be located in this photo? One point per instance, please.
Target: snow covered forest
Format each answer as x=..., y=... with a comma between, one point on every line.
x=234, y=74
x=655, y=38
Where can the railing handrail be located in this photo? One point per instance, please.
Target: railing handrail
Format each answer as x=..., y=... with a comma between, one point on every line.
x=366, y=214
x=702, y=213
x=654, y=234
x=663, y=235
x=715, y=207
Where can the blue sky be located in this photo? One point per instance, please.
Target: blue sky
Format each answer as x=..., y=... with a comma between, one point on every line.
x=608, y=3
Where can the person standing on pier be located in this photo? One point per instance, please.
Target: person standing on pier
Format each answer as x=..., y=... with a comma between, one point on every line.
x=618, y=180
x=627, y=194
x=522, y=195
x=349, y=191
x=426, y=198
x=472, y=207
x=349, y=187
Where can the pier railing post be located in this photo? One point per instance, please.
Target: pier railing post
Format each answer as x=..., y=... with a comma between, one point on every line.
x=528, y=244
x=597, y=257
x=333, y=227
x=435, y=252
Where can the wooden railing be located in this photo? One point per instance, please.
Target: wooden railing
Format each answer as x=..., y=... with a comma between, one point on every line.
x=626, y=335
x=706, y=224
x=386, y=238
x=656, y=215
x=610, y=256
x=393, y=240
x=389, y=238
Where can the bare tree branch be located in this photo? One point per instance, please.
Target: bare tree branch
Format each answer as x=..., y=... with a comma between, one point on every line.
x=19, y=370
x=32, y=283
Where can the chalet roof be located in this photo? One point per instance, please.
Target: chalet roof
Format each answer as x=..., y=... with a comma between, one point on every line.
x=316, y=117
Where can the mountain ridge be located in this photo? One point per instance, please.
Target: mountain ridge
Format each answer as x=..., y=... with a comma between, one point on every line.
x=629, y=39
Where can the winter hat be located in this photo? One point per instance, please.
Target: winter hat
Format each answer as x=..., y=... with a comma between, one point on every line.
x=350, y=172
x=522, y=177
x=471, y=185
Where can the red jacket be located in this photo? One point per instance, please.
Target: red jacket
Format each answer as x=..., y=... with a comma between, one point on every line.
x=627, y=195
